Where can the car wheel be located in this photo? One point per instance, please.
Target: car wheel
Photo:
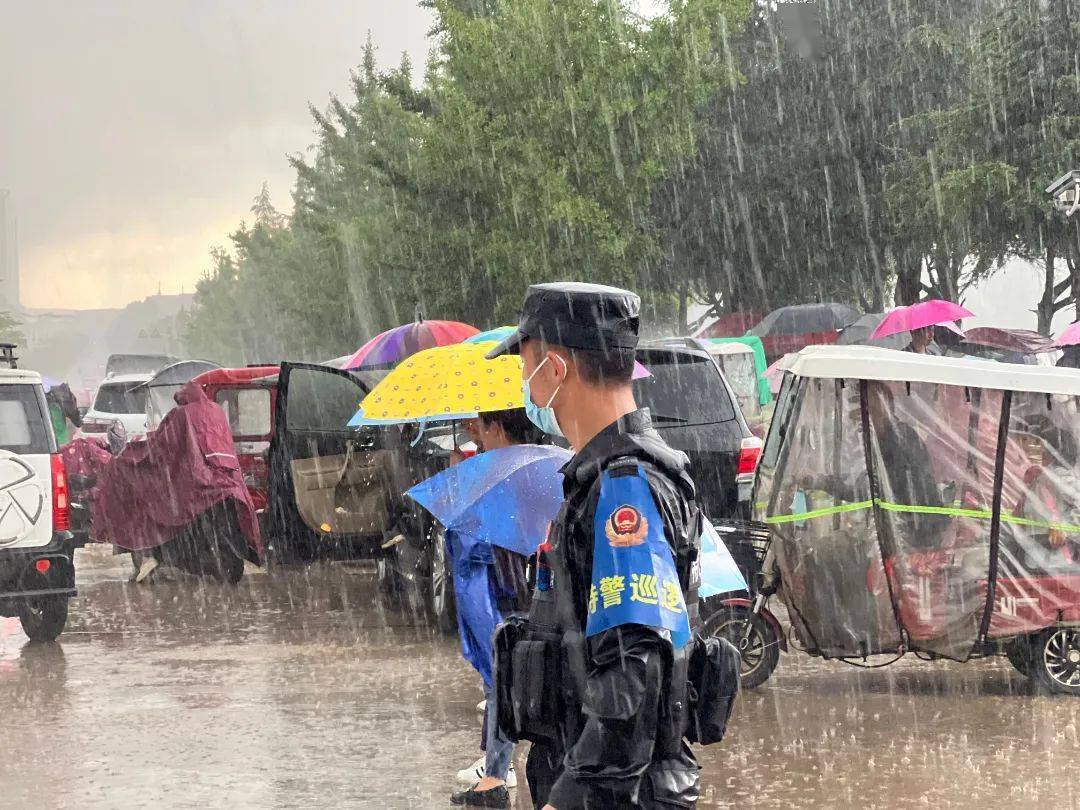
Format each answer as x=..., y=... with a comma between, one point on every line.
x=43, y=619
x=1021, y=655
x=441, y=583
x=1057, y=660
x=386, y=579
x=759, y=650
x=401, y=578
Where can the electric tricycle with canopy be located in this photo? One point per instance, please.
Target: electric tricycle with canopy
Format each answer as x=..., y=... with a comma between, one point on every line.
x=925, y=505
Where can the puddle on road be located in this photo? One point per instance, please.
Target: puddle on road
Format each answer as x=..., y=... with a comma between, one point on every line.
x=298, y=690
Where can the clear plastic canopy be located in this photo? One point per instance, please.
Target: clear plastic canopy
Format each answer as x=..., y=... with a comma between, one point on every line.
x=913, y=515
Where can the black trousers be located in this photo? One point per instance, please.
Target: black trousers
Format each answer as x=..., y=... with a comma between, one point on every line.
x=542, y=768
x=544, y=765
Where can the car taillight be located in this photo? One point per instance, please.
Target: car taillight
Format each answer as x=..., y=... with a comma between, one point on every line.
x=256, y=475
x=749, y=453
x=61, y=505
x=94, y=426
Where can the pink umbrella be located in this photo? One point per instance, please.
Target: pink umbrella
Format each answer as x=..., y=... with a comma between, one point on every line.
x=1070, y=337
x=917, y=316
x=775, y=373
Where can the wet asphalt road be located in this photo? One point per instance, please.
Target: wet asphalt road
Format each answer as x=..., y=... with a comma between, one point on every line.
x=299, y=691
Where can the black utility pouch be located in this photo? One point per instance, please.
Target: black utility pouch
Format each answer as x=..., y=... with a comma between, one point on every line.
x=536, y=670
x=507, y=636
x=713, y=686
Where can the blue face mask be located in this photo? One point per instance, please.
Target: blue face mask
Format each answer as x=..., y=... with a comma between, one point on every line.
x=542, y=417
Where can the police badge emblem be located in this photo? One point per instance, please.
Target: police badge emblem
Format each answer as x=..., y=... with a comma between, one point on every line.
x=626, y=527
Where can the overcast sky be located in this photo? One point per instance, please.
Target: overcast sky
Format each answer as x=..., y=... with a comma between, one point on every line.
x=133, y=135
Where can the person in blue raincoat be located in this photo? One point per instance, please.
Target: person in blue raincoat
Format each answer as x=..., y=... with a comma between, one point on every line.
x=489, y=583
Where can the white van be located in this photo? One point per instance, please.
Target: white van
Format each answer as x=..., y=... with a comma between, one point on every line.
x=120, y=398
x=737, y=362
x=37, y=572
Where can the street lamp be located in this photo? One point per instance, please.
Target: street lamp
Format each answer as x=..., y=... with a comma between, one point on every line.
x=1065, y=192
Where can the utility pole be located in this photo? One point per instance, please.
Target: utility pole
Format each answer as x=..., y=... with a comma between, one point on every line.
x=9, y=255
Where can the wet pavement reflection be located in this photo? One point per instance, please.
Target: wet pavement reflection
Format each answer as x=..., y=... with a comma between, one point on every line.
x=300, y=690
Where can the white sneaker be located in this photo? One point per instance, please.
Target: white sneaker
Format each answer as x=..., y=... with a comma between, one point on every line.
x=471, y=775
x=475, y=772
x=146, y=569
x=481, y=706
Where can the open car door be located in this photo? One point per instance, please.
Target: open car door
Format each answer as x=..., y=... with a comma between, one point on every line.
x=334, y=491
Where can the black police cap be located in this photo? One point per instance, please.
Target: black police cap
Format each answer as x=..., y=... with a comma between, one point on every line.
x=577, y=316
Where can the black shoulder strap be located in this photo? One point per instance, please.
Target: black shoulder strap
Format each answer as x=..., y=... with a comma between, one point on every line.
x=573, y=634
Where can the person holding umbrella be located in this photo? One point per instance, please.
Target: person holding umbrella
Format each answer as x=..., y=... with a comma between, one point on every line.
x=63, y=410
x=922, y=341
x=489, y=584
x=919, y=321
x=495, y=506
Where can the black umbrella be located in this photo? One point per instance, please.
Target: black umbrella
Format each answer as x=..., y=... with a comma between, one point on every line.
x=180, y=373
x=858, y=334
x=163, y=386
x=802, y=318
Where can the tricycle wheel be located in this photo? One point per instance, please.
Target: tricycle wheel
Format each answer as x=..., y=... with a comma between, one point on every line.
x=759, y=649
x=1057, y=660
x=227, y=566
x=1021, y=655
x=43, y=618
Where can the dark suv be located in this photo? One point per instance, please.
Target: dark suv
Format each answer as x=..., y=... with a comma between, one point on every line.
x=696, y=411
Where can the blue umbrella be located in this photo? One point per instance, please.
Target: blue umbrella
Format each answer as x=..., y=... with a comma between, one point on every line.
x=504, y=497
x=491, y=335
x=719, y=573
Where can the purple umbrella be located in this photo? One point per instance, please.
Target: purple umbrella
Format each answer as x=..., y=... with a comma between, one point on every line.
x=394, y=345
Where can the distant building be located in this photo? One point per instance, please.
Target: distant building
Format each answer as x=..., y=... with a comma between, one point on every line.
x=72, y=344
x=9, y=255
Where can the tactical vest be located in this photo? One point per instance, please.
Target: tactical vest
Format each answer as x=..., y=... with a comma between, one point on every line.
x=545, y=655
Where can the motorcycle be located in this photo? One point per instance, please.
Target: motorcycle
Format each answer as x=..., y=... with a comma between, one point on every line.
x=84, y=460
x=744, y=618
x=178, y=496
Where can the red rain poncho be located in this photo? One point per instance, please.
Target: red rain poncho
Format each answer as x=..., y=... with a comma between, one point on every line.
x=156, y=487
x=85, y=457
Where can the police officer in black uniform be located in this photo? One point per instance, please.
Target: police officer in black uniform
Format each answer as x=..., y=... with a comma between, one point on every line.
x=616, y=597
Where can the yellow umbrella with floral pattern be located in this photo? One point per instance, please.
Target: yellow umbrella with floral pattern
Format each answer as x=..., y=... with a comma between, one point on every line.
x=443, y=384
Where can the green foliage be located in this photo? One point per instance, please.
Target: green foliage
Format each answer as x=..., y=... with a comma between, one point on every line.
x=786, y=200
x=554, y=123
x=531, y=154
x=744, y=153
x=978, y=181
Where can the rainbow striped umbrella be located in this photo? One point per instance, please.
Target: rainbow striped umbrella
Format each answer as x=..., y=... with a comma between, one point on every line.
x=394, y=345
